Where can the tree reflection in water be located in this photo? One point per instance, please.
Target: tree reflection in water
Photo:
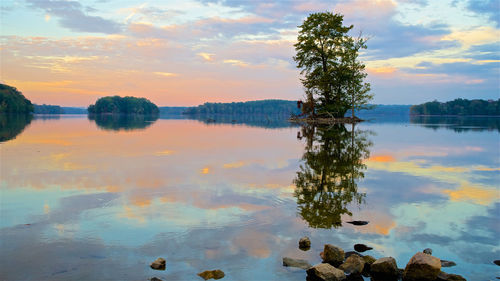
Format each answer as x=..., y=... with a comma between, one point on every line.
x=327, y=180
x=12, y=125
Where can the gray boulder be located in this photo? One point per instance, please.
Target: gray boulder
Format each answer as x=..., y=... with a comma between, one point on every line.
x=384, y=269
x=325, y=272
x=305, y=243
x=158, y=264
x=296, y=263
x=422, y=267
x=354, y=264
x=332, y=255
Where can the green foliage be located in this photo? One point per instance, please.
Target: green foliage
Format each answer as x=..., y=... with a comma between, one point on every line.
x=12, y=125
x=263, y=107
x=125, y=105
x=458, y=107
x=48, y=109
x=13, y=101
x=332, y=75
x=327, y=180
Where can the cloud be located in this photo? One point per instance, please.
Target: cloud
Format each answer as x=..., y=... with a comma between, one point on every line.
x=165, y=74
x=207, y=56
x=490, y=8
x=71, y=15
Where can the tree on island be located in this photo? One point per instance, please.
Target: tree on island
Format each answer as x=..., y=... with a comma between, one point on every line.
x=332, y=74
x=125, y=105
x=13, y=101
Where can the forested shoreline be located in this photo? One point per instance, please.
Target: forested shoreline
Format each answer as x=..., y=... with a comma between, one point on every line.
x=458, y=107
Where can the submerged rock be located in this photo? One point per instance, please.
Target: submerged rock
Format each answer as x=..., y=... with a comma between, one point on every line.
x=332, y=255
x=209, y=274
x=305, y=243
x=325, y=272
x=445, y=263
x=443, y=276
x=427, y=251
x=361, y=248
x=158, y=264
x=358, y=222
x=350, y=253
x=422, y=267
x=354, y=265
x=155, y=279
x=384, y=269
x=497, y=262
x=296, y=263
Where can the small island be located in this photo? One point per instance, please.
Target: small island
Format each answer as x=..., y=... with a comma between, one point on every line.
x=13, y=101
x=123, y=105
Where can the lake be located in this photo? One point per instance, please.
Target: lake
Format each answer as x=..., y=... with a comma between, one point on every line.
x=101, y=198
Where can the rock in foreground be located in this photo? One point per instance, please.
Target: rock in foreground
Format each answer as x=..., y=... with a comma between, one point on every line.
x=209, y=274
x=296, y=263
x=325, y=272
x=422, y=267
x=158, y=264
x=332, y=255
x=305, y=243
x=384, y=269
x=427, y=251
x=354, y=264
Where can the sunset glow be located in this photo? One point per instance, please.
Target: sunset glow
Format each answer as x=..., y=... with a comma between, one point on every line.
x=73, y=52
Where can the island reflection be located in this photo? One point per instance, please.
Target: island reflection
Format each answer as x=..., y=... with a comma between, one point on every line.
x=327, y=181
x=125, y=122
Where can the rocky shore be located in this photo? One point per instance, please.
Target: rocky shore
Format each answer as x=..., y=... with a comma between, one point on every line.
x=338, y=265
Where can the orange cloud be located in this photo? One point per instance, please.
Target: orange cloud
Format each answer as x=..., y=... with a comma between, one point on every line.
x=234, y=165
x=476, y=195
x=382, y=158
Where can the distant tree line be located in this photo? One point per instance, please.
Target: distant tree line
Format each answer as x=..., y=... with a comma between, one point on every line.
x=48, y=109
x=123, y=105
x=458, y=107
x=13, y=101
x=269, y=107
x=172, y=110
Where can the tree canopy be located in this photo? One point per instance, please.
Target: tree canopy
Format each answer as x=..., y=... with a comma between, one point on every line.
x=125, y=105
x=13, y=101
x=333, y=77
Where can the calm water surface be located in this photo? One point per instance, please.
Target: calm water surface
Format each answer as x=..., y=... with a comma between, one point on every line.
x=100, y=199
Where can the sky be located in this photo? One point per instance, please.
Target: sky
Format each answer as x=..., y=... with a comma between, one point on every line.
x=185, y=53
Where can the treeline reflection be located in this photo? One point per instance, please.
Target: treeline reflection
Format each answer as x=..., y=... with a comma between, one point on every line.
x=457, y=123
x=12, y=125
x=327, y=181
x=126, y=122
